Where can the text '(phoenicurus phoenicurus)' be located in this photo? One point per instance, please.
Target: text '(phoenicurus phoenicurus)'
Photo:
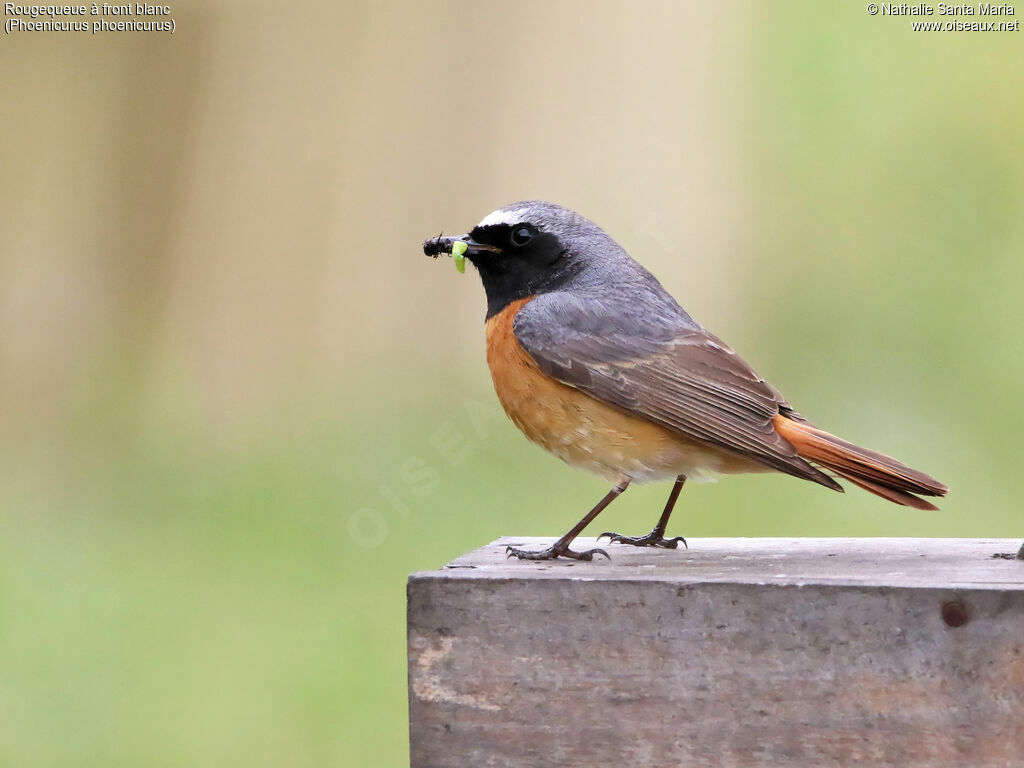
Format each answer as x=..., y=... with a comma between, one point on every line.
x=595, y=362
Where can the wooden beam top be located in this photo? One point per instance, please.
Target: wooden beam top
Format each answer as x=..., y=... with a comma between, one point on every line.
x=876, y=562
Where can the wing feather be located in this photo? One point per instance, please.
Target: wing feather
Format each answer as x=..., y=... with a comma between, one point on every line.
x=664, y=368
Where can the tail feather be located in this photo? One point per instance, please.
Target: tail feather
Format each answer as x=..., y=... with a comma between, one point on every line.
x=874, y=472
x=899, y=497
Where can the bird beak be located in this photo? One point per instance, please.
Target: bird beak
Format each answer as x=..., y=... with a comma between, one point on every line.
x=459, y=247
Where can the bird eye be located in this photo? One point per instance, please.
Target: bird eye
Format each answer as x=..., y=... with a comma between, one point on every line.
x=521, y=236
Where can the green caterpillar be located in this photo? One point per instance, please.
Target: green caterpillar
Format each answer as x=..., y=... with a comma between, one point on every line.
x=459, y=254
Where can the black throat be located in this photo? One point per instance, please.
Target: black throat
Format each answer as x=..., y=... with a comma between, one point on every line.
x=516, y=273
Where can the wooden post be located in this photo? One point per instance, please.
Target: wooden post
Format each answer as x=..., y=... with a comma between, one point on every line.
x=736, y=652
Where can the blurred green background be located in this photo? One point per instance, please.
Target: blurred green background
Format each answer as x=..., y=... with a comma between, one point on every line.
x=239, y=406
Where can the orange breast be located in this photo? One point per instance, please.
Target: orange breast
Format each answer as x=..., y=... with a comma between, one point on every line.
x=585, y=432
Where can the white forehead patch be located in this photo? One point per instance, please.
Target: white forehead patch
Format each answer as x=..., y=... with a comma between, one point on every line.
x=502, y=216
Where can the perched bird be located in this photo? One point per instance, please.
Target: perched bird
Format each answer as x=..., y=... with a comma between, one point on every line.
x=595, y=362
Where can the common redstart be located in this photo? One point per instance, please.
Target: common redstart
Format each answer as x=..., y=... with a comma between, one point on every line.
x=595, y=362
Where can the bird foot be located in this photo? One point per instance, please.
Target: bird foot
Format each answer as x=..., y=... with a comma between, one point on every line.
x=552, y=552
x=653, y=539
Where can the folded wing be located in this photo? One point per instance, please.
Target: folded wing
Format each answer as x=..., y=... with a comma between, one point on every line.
x=664, y=368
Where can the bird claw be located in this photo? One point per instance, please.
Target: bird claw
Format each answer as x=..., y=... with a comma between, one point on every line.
x=653, y=539
x=554, y=552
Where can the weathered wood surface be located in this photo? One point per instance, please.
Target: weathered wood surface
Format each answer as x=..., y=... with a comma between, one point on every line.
x=736, y=652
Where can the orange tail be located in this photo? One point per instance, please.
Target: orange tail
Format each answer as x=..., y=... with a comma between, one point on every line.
x=872, y=471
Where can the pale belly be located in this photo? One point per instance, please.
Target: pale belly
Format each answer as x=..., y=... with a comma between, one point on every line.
x=602, y=440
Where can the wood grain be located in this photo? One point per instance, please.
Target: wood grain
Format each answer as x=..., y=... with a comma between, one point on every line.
x=737, y=652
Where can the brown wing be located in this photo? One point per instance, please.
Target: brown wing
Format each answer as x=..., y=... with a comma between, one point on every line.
x=666, y=369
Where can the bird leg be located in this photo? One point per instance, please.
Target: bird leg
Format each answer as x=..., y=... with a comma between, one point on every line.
x=561, y=547
x=655, y=538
